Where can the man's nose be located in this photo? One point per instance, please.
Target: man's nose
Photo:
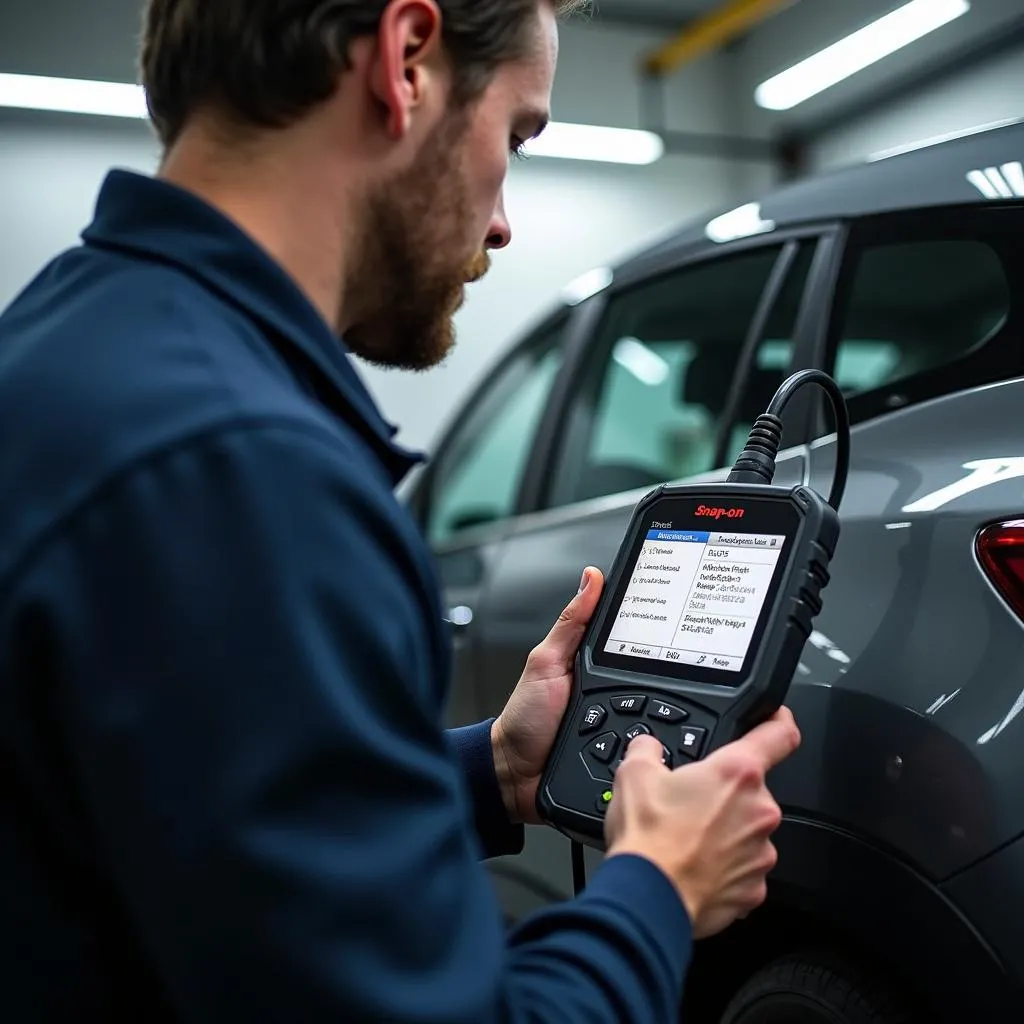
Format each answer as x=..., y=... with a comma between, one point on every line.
x=499, y=233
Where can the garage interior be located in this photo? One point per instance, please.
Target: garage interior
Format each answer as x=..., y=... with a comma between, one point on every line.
x=672, y=116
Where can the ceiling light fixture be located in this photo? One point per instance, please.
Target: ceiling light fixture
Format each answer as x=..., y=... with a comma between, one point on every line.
x=591, y=142
x=863, y=48
x=72, y=96
x=1006, y=182
x=121, y=99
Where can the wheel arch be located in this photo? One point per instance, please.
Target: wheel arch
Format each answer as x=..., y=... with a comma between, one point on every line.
x=836, y=892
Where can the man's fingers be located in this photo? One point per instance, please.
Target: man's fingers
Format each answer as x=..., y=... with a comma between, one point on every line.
x=775, y=740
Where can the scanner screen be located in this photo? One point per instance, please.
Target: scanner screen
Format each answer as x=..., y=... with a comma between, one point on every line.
x=694, y=597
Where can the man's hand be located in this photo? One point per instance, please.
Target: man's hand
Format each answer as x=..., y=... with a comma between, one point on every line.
x=707, y=825
x=524, y=732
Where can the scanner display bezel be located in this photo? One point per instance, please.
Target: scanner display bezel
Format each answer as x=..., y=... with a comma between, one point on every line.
x=759, y=516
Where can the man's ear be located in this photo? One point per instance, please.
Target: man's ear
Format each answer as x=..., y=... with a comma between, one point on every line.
x=408, y=61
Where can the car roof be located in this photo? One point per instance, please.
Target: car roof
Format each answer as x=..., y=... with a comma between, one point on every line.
x=928, y=174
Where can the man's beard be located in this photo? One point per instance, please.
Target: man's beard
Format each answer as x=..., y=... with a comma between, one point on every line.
x=412, y=270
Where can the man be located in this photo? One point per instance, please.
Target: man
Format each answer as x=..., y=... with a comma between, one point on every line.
x=226, y=792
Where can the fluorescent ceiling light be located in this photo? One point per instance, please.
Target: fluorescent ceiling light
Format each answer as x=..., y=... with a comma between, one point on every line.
x=857, y=51
x=644, y=363
x=1006, y=182
x=742, y=222
x=118, y=99
x=591, y=142
x=72, y=96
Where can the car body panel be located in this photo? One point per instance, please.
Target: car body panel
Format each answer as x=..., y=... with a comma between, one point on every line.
x=910, y=691
x=990, y=894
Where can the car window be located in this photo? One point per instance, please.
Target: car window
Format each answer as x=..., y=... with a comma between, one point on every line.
x=916, y=310
x=649, y=403
x=477, y=477
x=773, y=360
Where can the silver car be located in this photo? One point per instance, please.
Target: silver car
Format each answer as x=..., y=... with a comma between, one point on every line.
x=899, y=893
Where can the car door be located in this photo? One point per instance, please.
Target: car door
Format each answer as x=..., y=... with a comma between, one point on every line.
x=913, y=650
x=671, y=380
x=467, y=496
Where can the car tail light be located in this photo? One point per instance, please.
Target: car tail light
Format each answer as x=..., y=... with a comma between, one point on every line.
x=1001, y=554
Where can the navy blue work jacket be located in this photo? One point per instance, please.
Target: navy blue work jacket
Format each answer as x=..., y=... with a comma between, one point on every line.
x=225, y=789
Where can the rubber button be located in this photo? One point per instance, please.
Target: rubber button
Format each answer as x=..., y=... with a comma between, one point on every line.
x=629, y=703
x=637, y=730
x=593, y=718
x=691, y=741
x=604, y=747
x=662, y=712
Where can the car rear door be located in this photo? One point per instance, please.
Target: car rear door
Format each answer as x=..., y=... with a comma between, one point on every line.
x=666, y=387
x=915, y=660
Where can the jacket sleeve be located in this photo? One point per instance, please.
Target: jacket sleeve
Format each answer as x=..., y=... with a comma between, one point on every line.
x=248, y=701
x=497, y=835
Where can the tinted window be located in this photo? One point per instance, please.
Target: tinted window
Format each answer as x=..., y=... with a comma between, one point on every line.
x=649, y=405
x=916, y=311
x=478, y=475
x=773, y=360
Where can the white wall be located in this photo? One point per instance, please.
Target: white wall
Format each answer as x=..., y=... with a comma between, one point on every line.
x=50, y=171
x=566, y=217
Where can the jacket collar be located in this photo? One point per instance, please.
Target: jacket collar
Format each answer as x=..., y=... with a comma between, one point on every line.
x=156, y=220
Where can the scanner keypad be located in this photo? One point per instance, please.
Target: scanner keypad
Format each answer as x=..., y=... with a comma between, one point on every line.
x=610, y=723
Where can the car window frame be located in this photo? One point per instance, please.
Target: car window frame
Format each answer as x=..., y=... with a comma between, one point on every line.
x=917, y=225
x=810, y=322
x=812, y=319
x=422, y=496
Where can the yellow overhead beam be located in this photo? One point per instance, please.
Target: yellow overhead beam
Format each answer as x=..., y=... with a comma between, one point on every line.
x=710, y=32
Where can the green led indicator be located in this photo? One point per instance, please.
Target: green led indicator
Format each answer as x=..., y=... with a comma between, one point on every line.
x=606, y=796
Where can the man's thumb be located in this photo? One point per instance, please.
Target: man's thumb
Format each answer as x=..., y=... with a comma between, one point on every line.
x=563, y=640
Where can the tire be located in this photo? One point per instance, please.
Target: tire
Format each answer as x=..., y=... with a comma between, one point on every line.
x=813, y=990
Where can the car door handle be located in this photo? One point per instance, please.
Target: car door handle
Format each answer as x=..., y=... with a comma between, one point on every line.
x=460, y=616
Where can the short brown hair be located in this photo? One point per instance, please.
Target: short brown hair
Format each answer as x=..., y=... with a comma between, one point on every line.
x=267, y=62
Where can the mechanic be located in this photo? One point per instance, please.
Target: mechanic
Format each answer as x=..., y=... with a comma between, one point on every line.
x=227, y=793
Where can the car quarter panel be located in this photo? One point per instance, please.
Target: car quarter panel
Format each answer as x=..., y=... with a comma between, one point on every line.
x=910, y=690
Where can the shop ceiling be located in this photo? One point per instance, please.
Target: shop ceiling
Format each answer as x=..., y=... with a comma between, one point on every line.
x=97, y=39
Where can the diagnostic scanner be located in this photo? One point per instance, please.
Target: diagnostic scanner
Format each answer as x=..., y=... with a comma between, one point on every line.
x=706, y=610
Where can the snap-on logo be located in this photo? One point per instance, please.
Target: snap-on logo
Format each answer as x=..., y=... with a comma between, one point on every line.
x=706, y=511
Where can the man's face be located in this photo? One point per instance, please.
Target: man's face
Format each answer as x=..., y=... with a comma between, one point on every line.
x=428, y=231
